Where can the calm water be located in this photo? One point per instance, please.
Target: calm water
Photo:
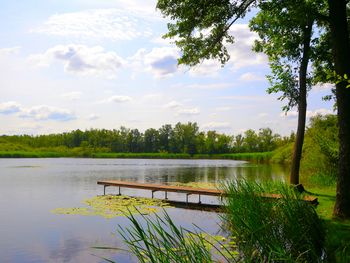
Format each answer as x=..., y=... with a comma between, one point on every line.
x=31, y=188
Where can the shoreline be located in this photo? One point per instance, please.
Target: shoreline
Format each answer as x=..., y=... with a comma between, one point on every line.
x=263, y=157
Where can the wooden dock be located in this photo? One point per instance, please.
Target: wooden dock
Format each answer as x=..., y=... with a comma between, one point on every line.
x=183, y=189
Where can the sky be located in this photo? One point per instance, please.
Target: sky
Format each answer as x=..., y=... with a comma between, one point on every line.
x=83, y=64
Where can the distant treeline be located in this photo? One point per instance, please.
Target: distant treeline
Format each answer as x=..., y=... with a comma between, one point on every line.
x=180, y=139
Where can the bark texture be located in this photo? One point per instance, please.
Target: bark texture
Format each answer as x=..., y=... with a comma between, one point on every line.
x=302, y=105
x=341, y=49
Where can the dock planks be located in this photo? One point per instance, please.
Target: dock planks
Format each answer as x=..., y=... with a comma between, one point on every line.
x=183, y=189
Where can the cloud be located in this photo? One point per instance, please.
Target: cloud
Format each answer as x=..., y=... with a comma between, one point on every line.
x=10, y=50
x=241, y=51
x=161, y=62
x=263, y=115
x=206, y=68
x=224, y=108
x=44, y=112
x=188, y=111
x=172, y=105
x=249, y=76
x=93, y=117
x=114, y=24
x=206, y=86
x=80, y=59
x=118, y=99
x=323, y=87
x=74, y=95
x=309, y=113
x=153, y=97
x=41, y=112
x=10, y=107
x=216, y=125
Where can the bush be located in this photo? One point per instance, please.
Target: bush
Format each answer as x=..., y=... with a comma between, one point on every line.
x=287, y=229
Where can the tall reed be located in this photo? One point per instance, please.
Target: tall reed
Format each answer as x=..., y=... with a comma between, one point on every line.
x=287, y=229
x=158, y=240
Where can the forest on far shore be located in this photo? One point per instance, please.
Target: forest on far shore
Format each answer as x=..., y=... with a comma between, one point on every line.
x=320, y=151
x=182, y=138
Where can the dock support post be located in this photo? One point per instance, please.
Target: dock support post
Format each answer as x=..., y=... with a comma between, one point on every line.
x=199, y=199
x=104, y=189
x=153, y=192
x=119, y=191
x=166, y=195
x=187, y=197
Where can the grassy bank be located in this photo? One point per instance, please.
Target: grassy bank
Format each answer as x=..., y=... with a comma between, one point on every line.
x=29, y=154
x=262, y=157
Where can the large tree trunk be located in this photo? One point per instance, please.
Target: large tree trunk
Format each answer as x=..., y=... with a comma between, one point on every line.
x=302, y=105
x=341, y=49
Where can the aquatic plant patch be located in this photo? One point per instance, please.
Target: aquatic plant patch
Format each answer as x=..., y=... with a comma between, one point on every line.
x=109, y=206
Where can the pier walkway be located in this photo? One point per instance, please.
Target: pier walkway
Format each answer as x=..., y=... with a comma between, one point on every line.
x=183, y=189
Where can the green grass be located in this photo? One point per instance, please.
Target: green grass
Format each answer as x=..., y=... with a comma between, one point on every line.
x=29, y=154
x=262, y=157
x=287, y=229
x=143, y=155
x=337, y=232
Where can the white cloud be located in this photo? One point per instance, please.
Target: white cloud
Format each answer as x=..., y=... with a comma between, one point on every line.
x=249, y=76
x=41, y=112
x=224, y=108
x=110, y=23
x=206, y=68
x=10, y=107
x=206, y=86
x=309, y=113
x=44, y=112
x=93, y=117
x=118, y=99
x=161, y=62
x=80, y=59
x=74, y=95
x=216, y=125
x=153, y=97
x=188, y=111
x=241, y=51
x=317, y=112
x=172, y=105
x=263, y=115
x=323, y=87
x=10, y=50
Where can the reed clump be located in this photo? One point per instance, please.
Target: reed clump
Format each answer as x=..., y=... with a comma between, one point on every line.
x=158, y=240
x=283, y=230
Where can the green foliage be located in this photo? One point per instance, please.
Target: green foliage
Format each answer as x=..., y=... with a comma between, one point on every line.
x=287, y=229
x=109, y=206
x=167, y=142
x=320, y=152
x=158, y=239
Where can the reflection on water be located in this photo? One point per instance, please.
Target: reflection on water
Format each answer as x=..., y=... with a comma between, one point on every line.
x=31, y=188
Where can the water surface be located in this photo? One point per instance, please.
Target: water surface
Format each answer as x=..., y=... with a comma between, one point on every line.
x=31, y=188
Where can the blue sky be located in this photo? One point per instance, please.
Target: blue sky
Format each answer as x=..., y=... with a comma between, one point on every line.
x=84, y=64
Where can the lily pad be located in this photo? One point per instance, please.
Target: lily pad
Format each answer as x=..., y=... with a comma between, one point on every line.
x=109, y=206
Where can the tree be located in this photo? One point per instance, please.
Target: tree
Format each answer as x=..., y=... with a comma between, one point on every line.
x=267, y=140
x=151, y=140
x=202, y=27
x=285, y=31
x=251, y=141
x=341, y=53
x=185, y=136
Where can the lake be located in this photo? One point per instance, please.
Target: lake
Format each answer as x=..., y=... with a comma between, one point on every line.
x=31, y=188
